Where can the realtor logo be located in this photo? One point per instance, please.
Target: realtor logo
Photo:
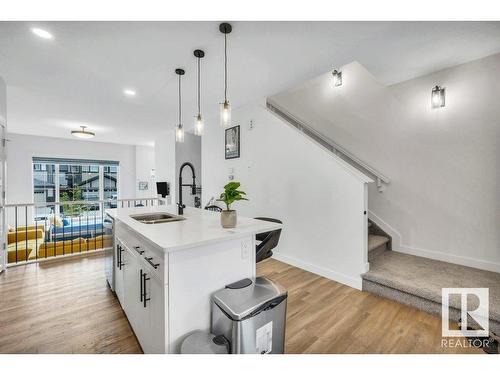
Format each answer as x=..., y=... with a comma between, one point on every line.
x=474, y=309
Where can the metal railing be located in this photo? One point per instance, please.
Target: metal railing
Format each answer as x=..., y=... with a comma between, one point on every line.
x=328, y=143
x=39, y=231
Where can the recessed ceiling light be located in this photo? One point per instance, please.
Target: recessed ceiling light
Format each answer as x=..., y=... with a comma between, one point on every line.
x=82, y=133
x=129, y=92
x=42, y=33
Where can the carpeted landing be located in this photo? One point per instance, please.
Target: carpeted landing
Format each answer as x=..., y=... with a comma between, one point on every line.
x=418, y=281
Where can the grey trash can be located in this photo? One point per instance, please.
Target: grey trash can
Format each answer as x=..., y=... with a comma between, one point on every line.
x=251, y=314
x=200, y=342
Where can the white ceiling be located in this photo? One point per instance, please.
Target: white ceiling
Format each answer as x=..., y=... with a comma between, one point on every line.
x=78, y=78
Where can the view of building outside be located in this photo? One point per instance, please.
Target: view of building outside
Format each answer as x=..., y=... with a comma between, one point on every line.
x=59, y=183
x=44, y=188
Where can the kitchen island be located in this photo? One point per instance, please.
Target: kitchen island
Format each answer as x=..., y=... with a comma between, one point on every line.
x=165, y=272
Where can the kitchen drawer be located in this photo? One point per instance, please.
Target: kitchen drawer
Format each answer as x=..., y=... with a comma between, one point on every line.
x=150, y=257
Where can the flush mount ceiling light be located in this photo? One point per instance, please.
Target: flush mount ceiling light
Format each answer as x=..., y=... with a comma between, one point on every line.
x=225, y=108
x=437, y=97
x=179, y=130
x=198, y=122
x=44, y=34
x=129, y=92
x=337, y=78
x=82, y=133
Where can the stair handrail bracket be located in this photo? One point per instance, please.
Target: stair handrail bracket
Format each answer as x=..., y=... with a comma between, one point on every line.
x=326, y=142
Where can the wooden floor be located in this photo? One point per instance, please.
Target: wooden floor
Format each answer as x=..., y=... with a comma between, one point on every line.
x=62, y=307
x=66, y=307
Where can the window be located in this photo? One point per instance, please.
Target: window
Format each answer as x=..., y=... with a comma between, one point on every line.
x=70, y=180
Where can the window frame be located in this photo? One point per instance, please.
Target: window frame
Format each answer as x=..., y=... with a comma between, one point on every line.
x=85, y=162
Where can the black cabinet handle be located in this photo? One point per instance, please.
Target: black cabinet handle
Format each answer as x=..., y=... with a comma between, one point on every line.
x=137, y=248
x=119, y=262
x=149, y=260
x=141, y=281
x=144, y=296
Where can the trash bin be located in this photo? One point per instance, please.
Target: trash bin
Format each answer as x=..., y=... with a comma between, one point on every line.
x=200, y=342
x=251, y=315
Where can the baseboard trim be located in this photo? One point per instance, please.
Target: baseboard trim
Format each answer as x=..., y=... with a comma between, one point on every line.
x=399, y=246
x=450, y=258
x=353, y=282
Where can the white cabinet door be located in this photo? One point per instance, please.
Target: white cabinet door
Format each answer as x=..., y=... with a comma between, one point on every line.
x=154, y=315
x=143, y=300
x=119, y=290
x=132, y=292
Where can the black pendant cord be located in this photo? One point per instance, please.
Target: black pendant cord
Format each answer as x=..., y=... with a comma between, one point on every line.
x=225, y=67
x=180, y=103
x=199, y=98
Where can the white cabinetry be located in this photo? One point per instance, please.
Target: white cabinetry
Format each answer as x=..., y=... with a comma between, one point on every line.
x=119, y=290
x=165, y=292
x=144, y=297
x=154, y=313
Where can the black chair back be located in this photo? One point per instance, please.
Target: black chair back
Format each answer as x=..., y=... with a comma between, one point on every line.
x=213, y=208
x=269, y=240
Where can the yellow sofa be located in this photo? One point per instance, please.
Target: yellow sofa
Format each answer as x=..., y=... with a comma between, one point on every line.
x=22, y=243
x=99, y=242
x=50, y=249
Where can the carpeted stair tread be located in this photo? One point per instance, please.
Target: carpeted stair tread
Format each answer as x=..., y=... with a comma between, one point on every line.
x=375, y=241
x=424, y=277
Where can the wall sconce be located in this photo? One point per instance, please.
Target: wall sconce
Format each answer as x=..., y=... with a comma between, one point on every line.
x=337, y=78
x=437, y=97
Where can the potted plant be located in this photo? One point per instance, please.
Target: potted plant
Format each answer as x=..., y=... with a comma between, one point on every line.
x=228, y=196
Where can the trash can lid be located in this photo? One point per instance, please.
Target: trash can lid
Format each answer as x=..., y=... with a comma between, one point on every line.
x=200, y=342
x=242, y=303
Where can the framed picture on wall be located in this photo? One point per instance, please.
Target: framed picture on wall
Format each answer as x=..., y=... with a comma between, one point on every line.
x=232, y=143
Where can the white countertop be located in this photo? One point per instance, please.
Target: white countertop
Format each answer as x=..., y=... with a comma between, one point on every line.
x=200, y=227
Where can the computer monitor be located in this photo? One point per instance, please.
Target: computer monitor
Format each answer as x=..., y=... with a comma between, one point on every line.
x=162, y=188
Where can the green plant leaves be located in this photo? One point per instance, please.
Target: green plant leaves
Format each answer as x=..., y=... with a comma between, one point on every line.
x=232, y=194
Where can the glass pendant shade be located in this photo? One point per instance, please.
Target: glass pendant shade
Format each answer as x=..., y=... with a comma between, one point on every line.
x=437, y=97
x=225, y=108
x=225, y=114
x=179, y=130
x=337, y=78
x=179, y=133
x=199, y=125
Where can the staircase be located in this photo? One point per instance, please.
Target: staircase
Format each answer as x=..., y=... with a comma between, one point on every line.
x=418, y=281
x=407, y=279
x=376, y=246
x=378, y=241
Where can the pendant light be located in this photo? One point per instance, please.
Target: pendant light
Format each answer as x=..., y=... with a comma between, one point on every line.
x=199, y=124
x=179, y=131
x=225, y=108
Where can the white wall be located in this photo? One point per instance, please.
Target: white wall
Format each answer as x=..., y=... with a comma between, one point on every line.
x=165, y=160
x=3, y=102
x=22, y=148
x=145, y=171
x=189, y=150
x=443, y=199
x=319, y=198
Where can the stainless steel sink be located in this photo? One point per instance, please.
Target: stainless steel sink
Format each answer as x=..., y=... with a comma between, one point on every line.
x=156, y=218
